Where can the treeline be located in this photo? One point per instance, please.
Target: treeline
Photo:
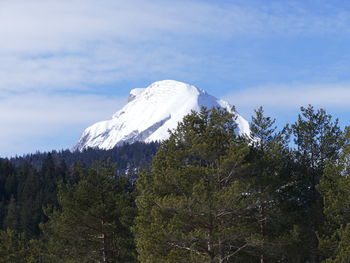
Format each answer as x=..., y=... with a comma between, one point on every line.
x=208, y=196
x=138, y=154
x=30, y=184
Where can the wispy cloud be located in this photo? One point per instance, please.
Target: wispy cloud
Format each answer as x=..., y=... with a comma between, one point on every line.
x=30, y=118
x=48, y=44
x=283, y=101
x=293, y=96
x=52, y=49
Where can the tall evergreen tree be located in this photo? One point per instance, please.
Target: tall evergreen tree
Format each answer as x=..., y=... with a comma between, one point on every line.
x=94, y=219
x=335, y=189
x=194, y=204
x=11, y=219
x=318, y=141
x=13, y=247
x=29, y=200
x=271, y=162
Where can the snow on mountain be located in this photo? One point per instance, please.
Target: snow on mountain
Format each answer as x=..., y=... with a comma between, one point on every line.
x=150, y=113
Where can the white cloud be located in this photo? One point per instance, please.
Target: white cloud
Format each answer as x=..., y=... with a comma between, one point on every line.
x=283, y=101
x=26, y=120
x=292, y=96
x=49, y=44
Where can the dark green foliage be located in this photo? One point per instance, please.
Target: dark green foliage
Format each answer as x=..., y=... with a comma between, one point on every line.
x=270, y=175
x=335, y=189
x=134, y=155
x=31, y=181
x=11, y=219
x=195, y=204
x=28, y=184
x=13, y=247
x=209, y=196
x=94, y=219
x=318, y=140
x=37, y=189
x=283, y=207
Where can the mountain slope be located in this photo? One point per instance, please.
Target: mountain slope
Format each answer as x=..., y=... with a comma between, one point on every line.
x=150, y=113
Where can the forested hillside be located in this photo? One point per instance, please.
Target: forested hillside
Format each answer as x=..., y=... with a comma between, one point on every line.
x=29, y=184
x=208, y=195
x=134, y=155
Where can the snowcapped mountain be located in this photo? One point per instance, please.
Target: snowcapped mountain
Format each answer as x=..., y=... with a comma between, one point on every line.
x=150, y=113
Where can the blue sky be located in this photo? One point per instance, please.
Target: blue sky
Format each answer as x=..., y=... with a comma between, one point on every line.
x=69, y=63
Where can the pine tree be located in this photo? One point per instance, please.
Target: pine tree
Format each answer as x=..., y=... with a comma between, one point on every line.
x=93, y=223
x=29, y=200
x=49, y=178
x=271, y=162
x=335, y=189
x=194, y=204
x=318, y=141
x=13, y=248
x=11, y=219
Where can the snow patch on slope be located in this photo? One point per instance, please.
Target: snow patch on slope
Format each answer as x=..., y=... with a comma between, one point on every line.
x=150, y=113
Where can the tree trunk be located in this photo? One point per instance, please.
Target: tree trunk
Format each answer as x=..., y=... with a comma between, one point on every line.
x=262, y=231
x=210, y=243
x=104, y=260
x=221, y=256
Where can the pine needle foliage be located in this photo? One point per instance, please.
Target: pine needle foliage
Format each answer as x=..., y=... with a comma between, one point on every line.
x=195, y=204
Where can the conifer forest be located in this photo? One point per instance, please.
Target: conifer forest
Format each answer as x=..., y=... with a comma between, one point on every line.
x=205, y=195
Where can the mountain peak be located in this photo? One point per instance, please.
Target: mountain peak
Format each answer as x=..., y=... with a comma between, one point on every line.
x=171, y=84
x=150, y=113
